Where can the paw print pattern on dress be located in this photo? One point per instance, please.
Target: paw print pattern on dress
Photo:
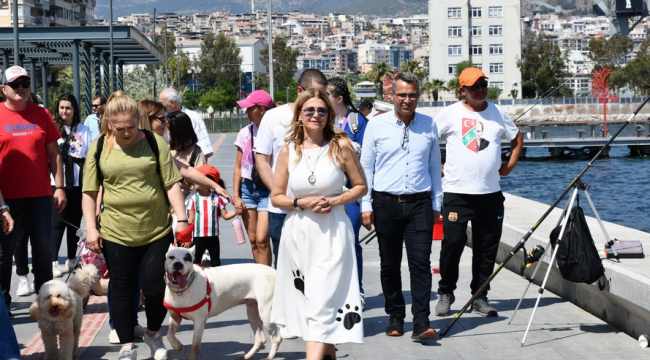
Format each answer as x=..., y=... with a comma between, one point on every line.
x=299, y=281
x=351, y=318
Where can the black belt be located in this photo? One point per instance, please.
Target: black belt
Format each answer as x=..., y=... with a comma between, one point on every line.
x=404, y=198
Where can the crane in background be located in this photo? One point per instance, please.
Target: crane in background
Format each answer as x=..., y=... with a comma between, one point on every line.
x=536, y=8
x=624, y=15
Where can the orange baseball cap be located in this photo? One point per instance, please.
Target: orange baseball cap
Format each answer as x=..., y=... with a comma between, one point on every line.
x=210, y=171
x=470, y=75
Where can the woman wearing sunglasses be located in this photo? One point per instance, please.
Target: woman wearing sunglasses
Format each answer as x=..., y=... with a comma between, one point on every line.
x=317, y=288
x=183, y=143
x=153, y=116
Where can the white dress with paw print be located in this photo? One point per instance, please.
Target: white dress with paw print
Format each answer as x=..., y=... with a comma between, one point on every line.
x=317, y=287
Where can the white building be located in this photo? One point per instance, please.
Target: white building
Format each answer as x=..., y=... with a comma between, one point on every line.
x=487, y=32
x=371, y=53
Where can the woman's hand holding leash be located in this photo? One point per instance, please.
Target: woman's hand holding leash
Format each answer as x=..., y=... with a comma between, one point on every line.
x=94, y=241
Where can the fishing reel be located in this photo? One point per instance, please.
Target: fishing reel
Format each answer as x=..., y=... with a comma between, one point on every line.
x=532, y=257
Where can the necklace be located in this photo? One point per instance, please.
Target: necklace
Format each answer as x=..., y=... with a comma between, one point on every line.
x=312, y=177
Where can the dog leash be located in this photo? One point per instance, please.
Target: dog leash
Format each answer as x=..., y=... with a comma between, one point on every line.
x=78, y=253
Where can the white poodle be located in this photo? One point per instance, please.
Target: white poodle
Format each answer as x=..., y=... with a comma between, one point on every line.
x=59, y=310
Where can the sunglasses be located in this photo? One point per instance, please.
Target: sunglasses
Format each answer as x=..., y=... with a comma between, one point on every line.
x=97, y=105
x=478, y=86
x=162, y=119
x=16, y=84
x=310, y=111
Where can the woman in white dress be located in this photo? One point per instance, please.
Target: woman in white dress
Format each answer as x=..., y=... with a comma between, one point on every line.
x=317, y=287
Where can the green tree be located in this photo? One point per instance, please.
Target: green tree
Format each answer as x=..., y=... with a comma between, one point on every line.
x=216, y=61
x=542, y=64
x=191, y=99
x=261, y=81
x=433, y=88
x=138, y=83
x=378, y=75
x=284, y=63
x=612, y=54
x=222, y=98
x=639, y=69
x=281, y=94
x=453, y=85
x=493, y=93
x=409, y=66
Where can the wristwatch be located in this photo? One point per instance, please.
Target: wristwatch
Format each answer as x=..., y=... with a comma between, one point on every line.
x=4, y=207
x=295, y=204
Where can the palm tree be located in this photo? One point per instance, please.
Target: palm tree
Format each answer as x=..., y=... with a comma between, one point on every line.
x=410, y=66
x=378, y=75
x=433, y=88
x=421, y=74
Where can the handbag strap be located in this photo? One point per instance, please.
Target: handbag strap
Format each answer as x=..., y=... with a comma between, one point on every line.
x=252, y=143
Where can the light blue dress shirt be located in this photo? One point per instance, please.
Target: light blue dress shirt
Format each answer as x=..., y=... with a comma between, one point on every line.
x=399, y=164
x=92, y=122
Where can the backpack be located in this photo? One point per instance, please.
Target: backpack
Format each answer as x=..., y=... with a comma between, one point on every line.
x=151, y=139
x=353, y=121
x=577, y=258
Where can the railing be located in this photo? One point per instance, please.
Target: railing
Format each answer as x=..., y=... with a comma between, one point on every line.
x=221, y=125
x=42, y=3
x=26, y=18
x=41, y=20
x=549, y=101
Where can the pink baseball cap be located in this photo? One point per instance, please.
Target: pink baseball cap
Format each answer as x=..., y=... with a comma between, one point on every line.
x=257, y=97
x=13, y=73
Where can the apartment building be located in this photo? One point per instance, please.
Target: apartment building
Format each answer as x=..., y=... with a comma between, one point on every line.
x=487, y=32
x=45, y=13
x=371, y=53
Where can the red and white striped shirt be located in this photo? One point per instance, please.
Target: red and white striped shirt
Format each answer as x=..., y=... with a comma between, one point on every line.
x=206, y=213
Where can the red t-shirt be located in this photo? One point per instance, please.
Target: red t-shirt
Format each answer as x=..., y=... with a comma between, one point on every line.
x=24, y=163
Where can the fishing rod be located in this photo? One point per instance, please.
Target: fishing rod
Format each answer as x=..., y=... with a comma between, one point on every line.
x=545, y=96
x=530, y=232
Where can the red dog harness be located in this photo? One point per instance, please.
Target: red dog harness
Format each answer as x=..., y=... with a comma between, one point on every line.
x=206, y=299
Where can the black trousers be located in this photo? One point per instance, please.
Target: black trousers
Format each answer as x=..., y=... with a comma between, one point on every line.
x=36, y=213
x=21, y=253
x=71, y=214
x=411, y=224
x=123, y=265
x=486, y=214
x=210, y=243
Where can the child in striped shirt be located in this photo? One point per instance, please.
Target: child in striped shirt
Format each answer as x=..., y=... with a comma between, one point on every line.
x=205, y=207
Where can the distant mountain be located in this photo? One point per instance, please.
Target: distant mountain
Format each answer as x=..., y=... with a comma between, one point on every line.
x=323, y=7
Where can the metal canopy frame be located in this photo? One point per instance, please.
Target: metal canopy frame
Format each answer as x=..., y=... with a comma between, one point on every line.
x=87, y=46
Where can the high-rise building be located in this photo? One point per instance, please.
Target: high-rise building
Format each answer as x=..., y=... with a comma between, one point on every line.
x=45, y=13
x=486, y=32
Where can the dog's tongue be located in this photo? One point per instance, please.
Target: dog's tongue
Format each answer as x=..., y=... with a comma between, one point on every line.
x=180, y=279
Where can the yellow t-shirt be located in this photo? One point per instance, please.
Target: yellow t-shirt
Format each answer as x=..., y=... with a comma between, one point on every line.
x=135, y=212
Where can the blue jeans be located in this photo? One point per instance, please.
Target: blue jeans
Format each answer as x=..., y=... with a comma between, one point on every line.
x=8, y=341
x=254, y=197
x=276, y=221
x=354, y=213
x=36, y=215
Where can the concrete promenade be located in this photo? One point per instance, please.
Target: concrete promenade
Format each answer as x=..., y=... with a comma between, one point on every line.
x=560, y=329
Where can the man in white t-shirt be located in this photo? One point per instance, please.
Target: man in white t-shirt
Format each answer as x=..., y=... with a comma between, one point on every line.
x=270, y=140
x=171, y=100
x=473, y=128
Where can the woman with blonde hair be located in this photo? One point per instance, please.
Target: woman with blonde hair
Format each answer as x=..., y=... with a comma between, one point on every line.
x=134, y=230
x=317, y=288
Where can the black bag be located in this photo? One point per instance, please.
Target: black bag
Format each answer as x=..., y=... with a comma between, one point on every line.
x=577, y=258
x=255, y=176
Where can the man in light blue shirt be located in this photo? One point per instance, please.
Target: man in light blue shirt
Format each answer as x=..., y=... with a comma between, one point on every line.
x=401, y=160
x=93, y=121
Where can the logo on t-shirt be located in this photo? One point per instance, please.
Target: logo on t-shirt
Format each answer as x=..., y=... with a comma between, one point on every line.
x=472, y=135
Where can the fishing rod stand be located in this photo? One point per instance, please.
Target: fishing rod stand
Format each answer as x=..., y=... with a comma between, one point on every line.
x=563, y=220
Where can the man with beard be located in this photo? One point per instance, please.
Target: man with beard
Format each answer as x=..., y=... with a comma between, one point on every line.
x=473, y=129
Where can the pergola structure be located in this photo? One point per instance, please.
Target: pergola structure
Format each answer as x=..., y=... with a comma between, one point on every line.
x=87, y=47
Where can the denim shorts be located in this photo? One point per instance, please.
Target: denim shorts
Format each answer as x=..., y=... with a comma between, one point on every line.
x=253, y=197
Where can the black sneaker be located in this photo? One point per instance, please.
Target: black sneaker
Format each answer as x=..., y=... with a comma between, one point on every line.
x=482, y=307
x=395, y=326
x=422, y=331
x=444, y=304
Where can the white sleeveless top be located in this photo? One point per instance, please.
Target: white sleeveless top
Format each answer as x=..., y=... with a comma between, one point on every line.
x=329, y=177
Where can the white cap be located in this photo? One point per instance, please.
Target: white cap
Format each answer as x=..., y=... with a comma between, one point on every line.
x=13, y=73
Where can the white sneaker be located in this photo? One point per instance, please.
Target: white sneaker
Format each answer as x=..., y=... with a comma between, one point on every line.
x=127, y=353
x=69, y=265
x=139, y=331
x=155, y=343
x=113, y=338
x=56, y=271
x=24, y=288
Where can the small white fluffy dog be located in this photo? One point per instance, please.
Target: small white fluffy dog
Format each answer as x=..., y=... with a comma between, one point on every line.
x=58, y=308
x=188, y=296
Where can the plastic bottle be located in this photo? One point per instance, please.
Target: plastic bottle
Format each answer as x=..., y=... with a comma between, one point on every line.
x=239, y=231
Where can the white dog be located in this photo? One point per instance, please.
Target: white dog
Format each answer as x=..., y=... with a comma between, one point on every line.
x=197, y=294
x=59, y=310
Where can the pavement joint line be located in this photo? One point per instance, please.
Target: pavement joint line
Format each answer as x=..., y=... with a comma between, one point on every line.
x=90, y=326
x=215, y=146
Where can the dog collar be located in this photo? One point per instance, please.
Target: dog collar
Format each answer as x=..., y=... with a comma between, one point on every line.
x=206, y=299
x=190, y=280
